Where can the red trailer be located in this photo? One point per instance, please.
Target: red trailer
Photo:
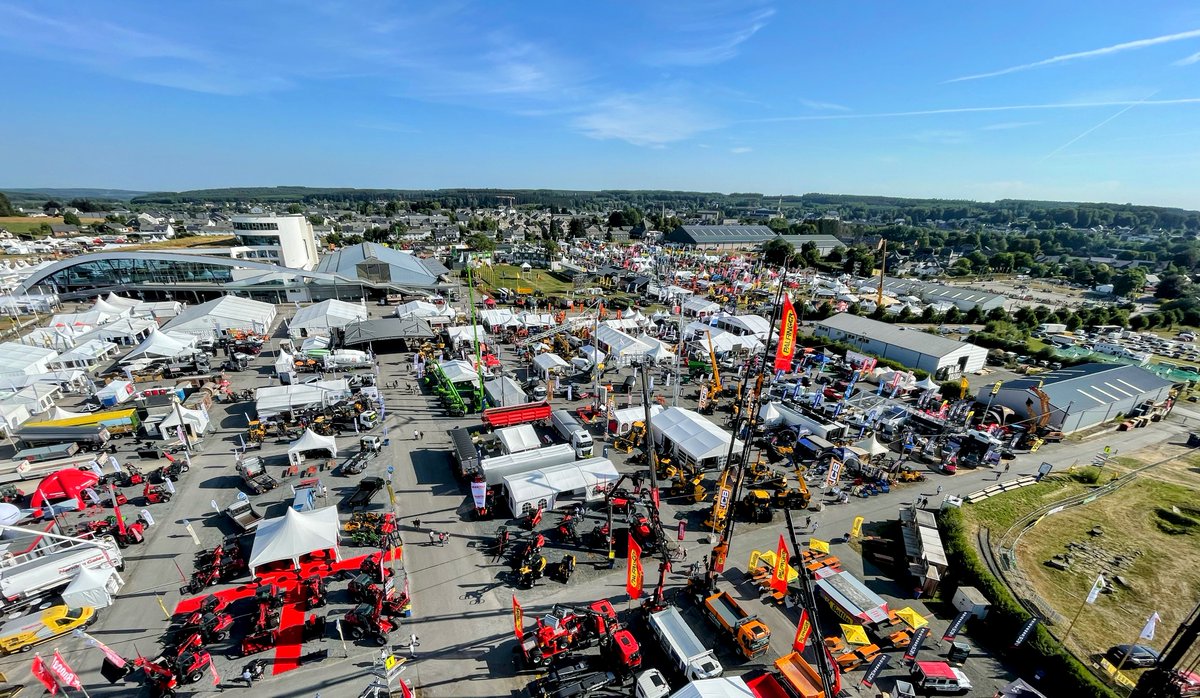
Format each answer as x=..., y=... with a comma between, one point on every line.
x=528, y=413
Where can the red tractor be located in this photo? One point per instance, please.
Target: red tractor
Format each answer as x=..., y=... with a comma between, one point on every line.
x=184, y=665
x=155, y=494
x=369, y=622
x=268, y=602
x=312, y=590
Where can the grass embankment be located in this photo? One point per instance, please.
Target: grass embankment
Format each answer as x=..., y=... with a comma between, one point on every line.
x=18, y=225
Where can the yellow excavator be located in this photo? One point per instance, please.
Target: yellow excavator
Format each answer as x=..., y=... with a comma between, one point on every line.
x=632, y=440
x=256, y=432
x=681, y=481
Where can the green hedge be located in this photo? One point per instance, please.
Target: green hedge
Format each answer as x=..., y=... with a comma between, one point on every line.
x=1064, y=675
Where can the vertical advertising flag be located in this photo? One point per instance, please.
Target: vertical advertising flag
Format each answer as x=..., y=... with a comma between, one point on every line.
x=918, y=639
x=63, y=673
x=834, y=474
x=1150, y=626
x=955, y=626
x=1026, y=631
x=874, y=670
x=518, y=619
x=41, y=672
x=856, y=527
x=633, y=575
x=779, y=575
x=803, y=630
x=1097, y=587
x=787, y=336
x=90, y=641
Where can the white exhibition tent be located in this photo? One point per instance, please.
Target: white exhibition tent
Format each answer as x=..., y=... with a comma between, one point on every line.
x=723, y=687
x=623, y=346
x=284, y=363
x=700, y=306
x=295, y=534
x=21, y=358
x=468, y=334
x=56, y=412
x=548, y=362
x=688, y=434
x=320, y=318
x=276, y=399
x=586, y=479
x=459, y=371
x=626, y=416
x=927, y=384
x=197, y=422
x=519, y=438
x=162, y=345
x=10, y=514
x=659, y=350
x=92, y=587
x=115, y=392
x=85, y=356
x=871, y=446
x=224, y=313
x=504, y=392
x=311, y=441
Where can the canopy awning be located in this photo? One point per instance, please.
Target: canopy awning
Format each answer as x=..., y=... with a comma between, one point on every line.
x=311, y=441
x=293, y=535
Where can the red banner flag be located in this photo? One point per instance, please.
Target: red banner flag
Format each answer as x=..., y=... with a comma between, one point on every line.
x=633, y=575
x=63, y=673
x=779, y=575
x=787, y=336
x=518, y=619
x=41, y=672
x=803, y=630
x=116, y=659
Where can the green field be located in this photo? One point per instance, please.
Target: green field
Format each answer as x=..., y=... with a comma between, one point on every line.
x=511, y=277
x=20, y=224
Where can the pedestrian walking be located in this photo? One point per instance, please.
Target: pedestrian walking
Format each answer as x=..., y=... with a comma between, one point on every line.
x=416, y=523
x=939, y=490
x=416, y=435
x=413, y=642
x=432, y=537
x=247, y=676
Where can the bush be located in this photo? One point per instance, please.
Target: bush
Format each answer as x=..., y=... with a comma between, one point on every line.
x=1088, y=476
x=1064, y=675
x=1175, y=523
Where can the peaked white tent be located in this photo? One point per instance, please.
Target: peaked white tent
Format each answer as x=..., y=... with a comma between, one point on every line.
x=295, y=534
x=56, y=412
x=547, y=362
x=311, y=441
x=116, y=301
x=872, y=446
x=927, y=384
x=162, y=345
x=285, y=366
x=196, y=422
x=690, y=435
x=320, y=318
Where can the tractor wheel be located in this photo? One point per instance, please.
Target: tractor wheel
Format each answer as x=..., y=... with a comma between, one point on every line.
x=195, y=676
x=379, y=639
x=356, y=632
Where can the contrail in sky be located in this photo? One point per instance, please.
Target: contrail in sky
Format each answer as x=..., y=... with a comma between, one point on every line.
x=984, y=110
x=1115, y=48
x=1068, y=144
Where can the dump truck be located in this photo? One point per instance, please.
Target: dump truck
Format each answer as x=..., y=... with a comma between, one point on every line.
x=751, y=635
x=800, y=677
x=32, y=576
x=23, y=633
x=243, y=514
x=687, y=654
x=254, y=474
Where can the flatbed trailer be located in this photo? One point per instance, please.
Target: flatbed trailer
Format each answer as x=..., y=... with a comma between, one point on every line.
x=850, y=599
x=530, y=412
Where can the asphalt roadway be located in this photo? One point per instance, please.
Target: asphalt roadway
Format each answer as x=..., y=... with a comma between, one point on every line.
x=461, y=601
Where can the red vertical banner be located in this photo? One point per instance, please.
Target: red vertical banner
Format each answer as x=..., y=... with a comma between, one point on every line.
x=518, y=619
x=779, y=574
x=63, y=673
x=787, y=336
x=41, y=672
x=633, y=574
x=803, y=630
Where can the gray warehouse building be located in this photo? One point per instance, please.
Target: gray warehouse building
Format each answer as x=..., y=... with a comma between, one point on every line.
x=913, y=348
x=1081, y=396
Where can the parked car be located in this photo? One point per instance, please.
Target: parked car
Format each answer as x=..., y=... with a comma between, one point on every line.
x=1139, y=657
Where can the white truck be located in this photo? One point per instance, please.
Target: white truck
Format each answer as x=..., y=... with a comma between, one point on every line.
x=1052, y=328
x=683, y=648
x=27, y=578
x=572, y=432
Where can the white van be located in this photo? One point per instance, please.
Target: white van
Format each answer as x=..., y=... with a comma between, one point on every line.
x=940, y=677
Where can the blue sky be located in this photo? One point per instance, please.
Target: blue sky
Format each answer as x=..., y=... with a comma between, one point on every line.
x=1065, y=100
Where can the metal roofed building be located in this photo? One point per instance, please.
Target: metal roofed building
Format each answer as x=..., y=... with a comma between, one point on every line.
x=825, y=243
x=375, y=264
x=912, y=347
x=717, y=237
x=1082, y=396
x=965, y=297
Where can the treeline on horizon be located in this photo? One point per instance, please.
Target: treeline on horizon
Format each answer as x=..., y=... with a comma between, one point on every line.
x=1000, y=212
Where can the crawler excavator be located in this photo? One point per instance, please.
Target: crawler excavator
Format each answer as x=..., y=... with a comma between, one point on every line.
x=1039, y=420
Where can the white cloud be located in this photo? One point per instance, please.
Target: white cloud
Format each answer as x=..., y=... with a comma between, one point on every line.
x=714, y=38
x=1105, y=51
x=823, y=106
x=647, y=119
x=983, y=110
x=940, y=137
x=1194, y=58
x=1008, y=125
x=741, y=150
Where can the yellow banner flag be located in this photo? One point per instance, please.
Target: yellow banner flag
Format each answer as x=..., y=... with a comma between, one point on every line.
x=818, y=545
x=856, y=527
